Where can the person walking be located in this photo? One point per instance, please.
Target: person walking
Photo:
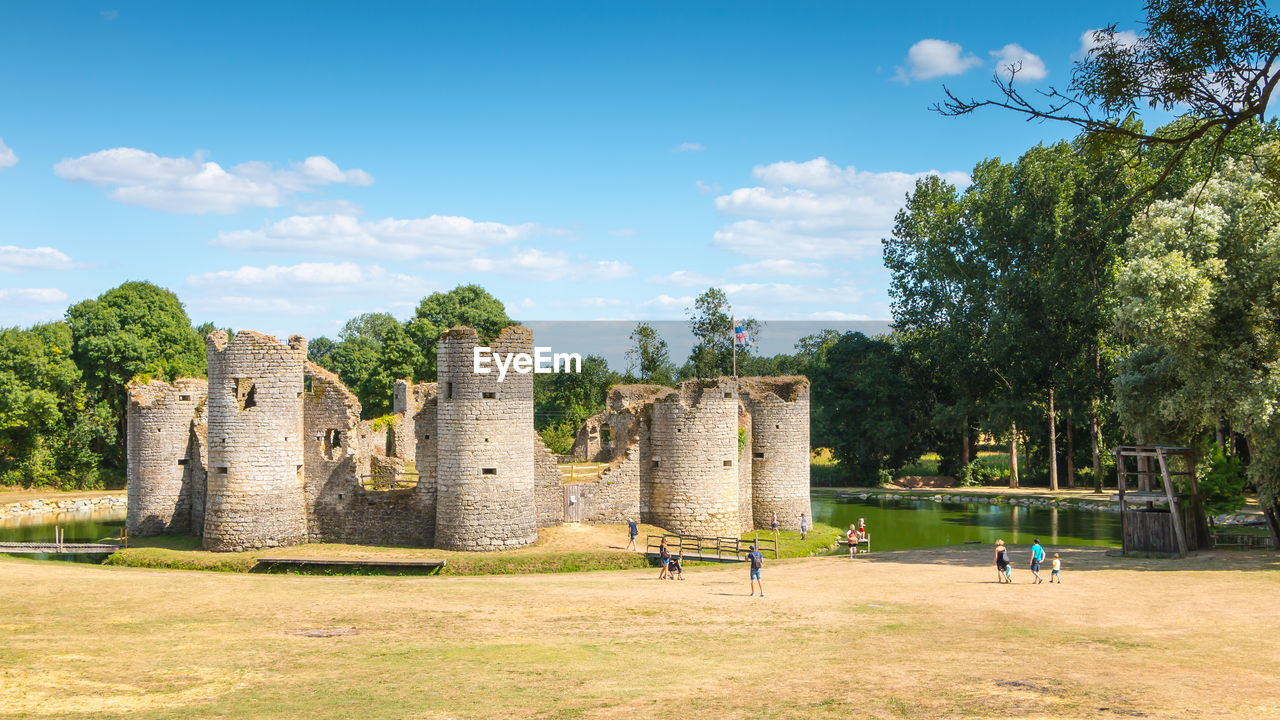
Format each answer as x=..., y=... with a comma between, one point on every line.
x=756, y=559
x=773, y=524
x=664, y=557
x=852, y=537
x=633, y=530
x=1037, y=556
x=1057, y=570
x=1002, y=562
x=804, y=526
x=677, y=566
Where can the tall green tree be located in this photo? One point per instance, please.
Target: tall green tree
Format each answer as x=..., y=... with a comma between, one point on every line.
x=1197, y=298
x=469, y=305
x=711, y=322
x=130, y=330
x=648, y=358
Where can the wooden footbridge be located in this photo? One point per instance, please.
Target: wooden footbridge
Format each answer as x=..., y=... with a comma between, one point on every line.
x=709, y=549
x=55, y=548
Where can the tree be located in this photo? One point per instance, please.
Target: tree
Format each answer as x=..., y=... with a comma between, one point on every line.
x=711, y=322
x=873, y=406
x=1197, y=300
x=1215, y=60
x=468, y=305
x=130, y=330
x=50, y=431
x=648, y=358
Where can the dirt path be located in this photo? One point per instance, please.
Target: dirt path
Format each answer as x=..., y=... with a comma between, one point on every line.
x=924, y=633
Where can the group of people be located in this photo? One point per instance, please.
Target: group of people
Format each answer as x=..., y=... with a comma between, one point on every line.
x=856, y=535
x=1004, y=566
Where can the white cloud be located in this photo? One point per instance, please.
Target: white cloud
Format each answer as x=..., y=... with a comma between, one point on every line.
x=330, y=207
x=1013, y=57
x=194, y=186
x=770, y=293
x=17, y=259
x=622, y=232
x=443, y=238
x=706, y=189
x=816, y=210
x=781, y=266
x=689, y=147
x=7, y=156
x=932, y=58
x=32, y=296
x=668, y=302
x=1126, y=38
x=541, y=265
x=686, y=278
x=330, y=276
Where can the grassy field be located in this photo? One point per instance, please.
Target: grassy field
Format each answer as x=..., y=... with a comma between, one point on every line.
x=924, y=633
x=564, y=548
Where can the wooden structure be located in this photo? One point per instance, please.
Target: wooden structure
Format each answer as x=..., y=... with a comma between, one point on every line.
x=709, y=549
x=57, y=548
x=1176, y=528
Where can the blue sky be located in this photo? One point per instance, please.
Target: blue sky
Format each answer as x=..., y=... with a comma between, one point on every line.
x=286, y=166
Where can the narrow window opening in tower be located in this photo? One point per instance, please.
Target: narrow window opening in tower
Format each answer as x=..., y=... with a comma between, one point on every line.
x=489, y=471
x=728, y=395
x=182, y=461
x=655, y=463
x=306, y=383
x=222, y=470
x=448, y=391
x=489, y=395
x=246, y=393
x=758, y=455
x=728, y=463
x=606, y=434
x=184, y=398
x=391, y=442
x=333, y=444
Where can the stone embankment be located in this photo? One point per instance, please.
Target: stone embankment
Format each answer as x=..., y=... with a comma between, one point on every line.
x=42, y=506
x=1088, y=505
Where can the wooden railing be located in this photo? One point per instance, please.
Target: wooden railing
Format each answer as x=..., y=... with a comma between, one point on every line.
x=720, y=549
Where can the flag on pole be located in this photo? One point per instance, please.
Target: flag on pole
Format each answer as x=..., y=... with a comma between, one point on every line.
x=741, y=335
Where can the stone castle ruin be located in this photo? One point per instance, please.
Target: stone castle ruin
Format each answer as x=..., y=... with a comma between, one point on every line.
x=271, y=451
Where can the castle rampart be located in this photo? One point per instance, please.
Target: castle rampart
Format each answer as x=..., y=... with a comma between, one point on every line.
x=163, y=462
x=779, y=408
x=485, y=469
x=256, y=491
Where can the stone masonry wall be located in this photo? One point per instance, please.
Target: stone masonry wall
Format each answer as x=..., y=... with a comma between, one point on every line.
x=485, y=476
x=780, y=448
x=548, y=492
x=256, y=492
x=744, y=470
x=422, y=423
x=331, y=422
x=160, y=454
x=198, y=465
x=693, y=470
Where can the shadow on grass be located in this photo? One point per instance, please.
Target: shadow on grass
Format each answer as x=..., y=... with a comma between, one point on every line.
x=1083, y=559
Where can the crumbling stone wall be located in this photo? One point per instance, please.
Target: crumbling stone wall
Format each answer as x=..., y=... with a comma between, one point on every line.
x=422, y=423
x=779, y=409
x=198, y=465
x=693, y=473
x=331, y=426
x=548, y=491
x=256, y=492
x=162, y=460
x=744, y=468
x=615, y=497
x=485, y=477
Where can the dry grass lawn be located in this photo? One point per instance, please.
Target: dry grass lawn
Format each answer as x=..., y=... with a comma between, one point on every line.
x=923, y=633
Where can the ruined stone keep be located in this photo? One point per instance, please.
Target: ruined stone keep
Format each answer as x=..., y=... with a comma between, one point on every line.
x=271, y=451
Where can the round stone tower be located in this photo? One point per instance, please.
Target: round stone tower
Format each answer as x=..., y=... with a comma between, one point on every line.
x=693, y=469
x=485, y=460
x=779, y=409
x=162, y=461
x=255, y=490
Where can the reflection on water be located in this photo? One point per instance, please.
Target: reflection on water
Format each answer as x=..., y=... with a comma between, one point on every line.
x=897, y=524
x=88, y=526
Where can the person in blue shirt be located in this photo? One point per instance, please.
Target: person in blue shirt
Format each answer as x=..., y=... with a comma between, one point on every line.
x=634, y=530
x=756, y=559
x=1037, y=556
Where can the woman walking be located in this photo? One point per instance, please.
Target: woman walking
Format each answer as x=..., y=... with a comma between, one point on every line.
x=1002, y=563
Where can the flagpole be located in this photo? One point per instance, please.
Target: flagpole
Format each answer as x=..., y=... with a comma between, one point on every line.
x=733, y=339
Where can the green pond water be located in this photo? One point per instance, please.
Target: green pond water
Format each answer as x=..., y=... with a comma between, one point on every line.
x=78, y=527
x=897, y=524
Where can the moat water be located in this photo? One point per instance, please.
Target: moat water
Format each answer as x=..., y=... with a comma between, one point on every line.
x=899, y=524
x=895, y=524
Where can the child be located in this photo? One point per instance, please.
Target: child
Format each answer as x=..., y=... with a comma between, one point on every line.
x=852, y=537
x=804, y=526
x=1057, y=566
x=677, y=567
